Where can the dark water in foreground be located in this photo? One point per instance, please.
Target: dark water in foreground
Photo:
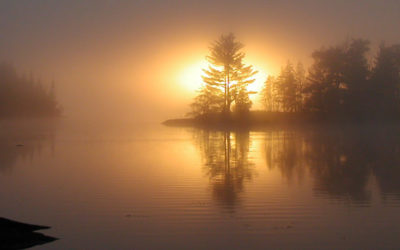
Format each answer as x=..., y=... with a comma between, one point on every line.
x=152, y=187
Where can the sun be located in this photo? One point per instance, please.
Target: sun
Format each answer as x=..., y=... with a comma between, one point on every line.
x=260, y=79
x=191, y=78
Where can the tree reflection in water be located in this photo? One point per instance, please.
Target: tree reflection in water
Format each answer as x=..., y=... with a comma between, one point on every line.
x=342, y=160
x=23, y=140
x=226, y=163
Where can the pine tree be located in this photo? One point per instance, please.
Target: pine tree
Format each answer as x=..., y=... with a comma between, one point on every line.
x=227, y=71
x=301, y=80
x=209, y=100
x=267, y=94
x=287, y=88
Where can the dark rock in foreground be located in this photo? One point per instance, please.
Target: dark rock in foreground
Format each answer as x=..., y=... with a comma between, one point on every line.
x=17, y=235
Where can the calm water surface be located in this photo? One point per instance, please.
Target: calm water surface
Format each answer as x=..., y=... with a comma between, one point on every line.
x=146, y=186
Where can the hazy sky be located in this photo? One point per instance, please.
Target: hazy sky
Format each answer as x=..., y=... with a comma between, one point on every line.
x=116, y=59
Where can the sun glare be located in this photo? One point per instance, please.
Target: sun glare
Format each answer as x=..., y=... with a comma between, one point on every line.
x=260, y=79
x=191, y=78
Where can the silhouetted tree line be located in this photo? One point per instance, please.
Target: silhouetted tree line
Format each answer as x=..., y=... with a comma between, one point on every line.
x=284, y=93
x=341, y=82
x=23, y=96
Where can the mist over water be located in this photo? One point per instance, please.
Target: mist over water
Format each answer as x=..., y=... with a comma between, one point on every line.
x=122, y=186
x=287, y=134
x=123, y=60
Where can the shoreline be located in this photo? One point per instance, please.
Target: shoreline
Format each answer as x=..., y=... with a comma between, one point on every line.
x=260, y=119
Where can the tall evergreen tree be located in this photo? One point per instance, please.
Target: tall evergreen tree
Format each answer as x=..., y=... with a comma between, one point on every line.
x=284, y=93
x=300, y=76
x=267, y=94
x=227, y=71
x=287, y=88
x=326, y=82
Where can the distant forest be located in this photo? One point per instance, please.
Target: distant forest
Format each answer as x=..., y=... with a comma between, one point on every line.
x=343, y=82
x=22, y=96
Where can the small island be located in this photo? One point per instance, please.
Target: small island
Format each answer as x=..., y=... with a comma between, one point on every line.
x=253, y=119
x=344, y=83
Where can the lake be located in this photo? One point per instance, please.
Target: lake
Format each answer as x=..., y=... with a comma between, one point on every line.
x=121, y=185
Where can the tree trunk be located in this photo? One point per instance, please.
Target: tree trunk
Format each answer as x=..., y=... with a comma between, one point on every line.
x=228, y=94
x=226, y=97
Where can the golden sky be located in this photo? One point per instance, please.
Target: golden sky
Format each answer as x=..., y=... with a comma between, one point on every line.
x=134, y=59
